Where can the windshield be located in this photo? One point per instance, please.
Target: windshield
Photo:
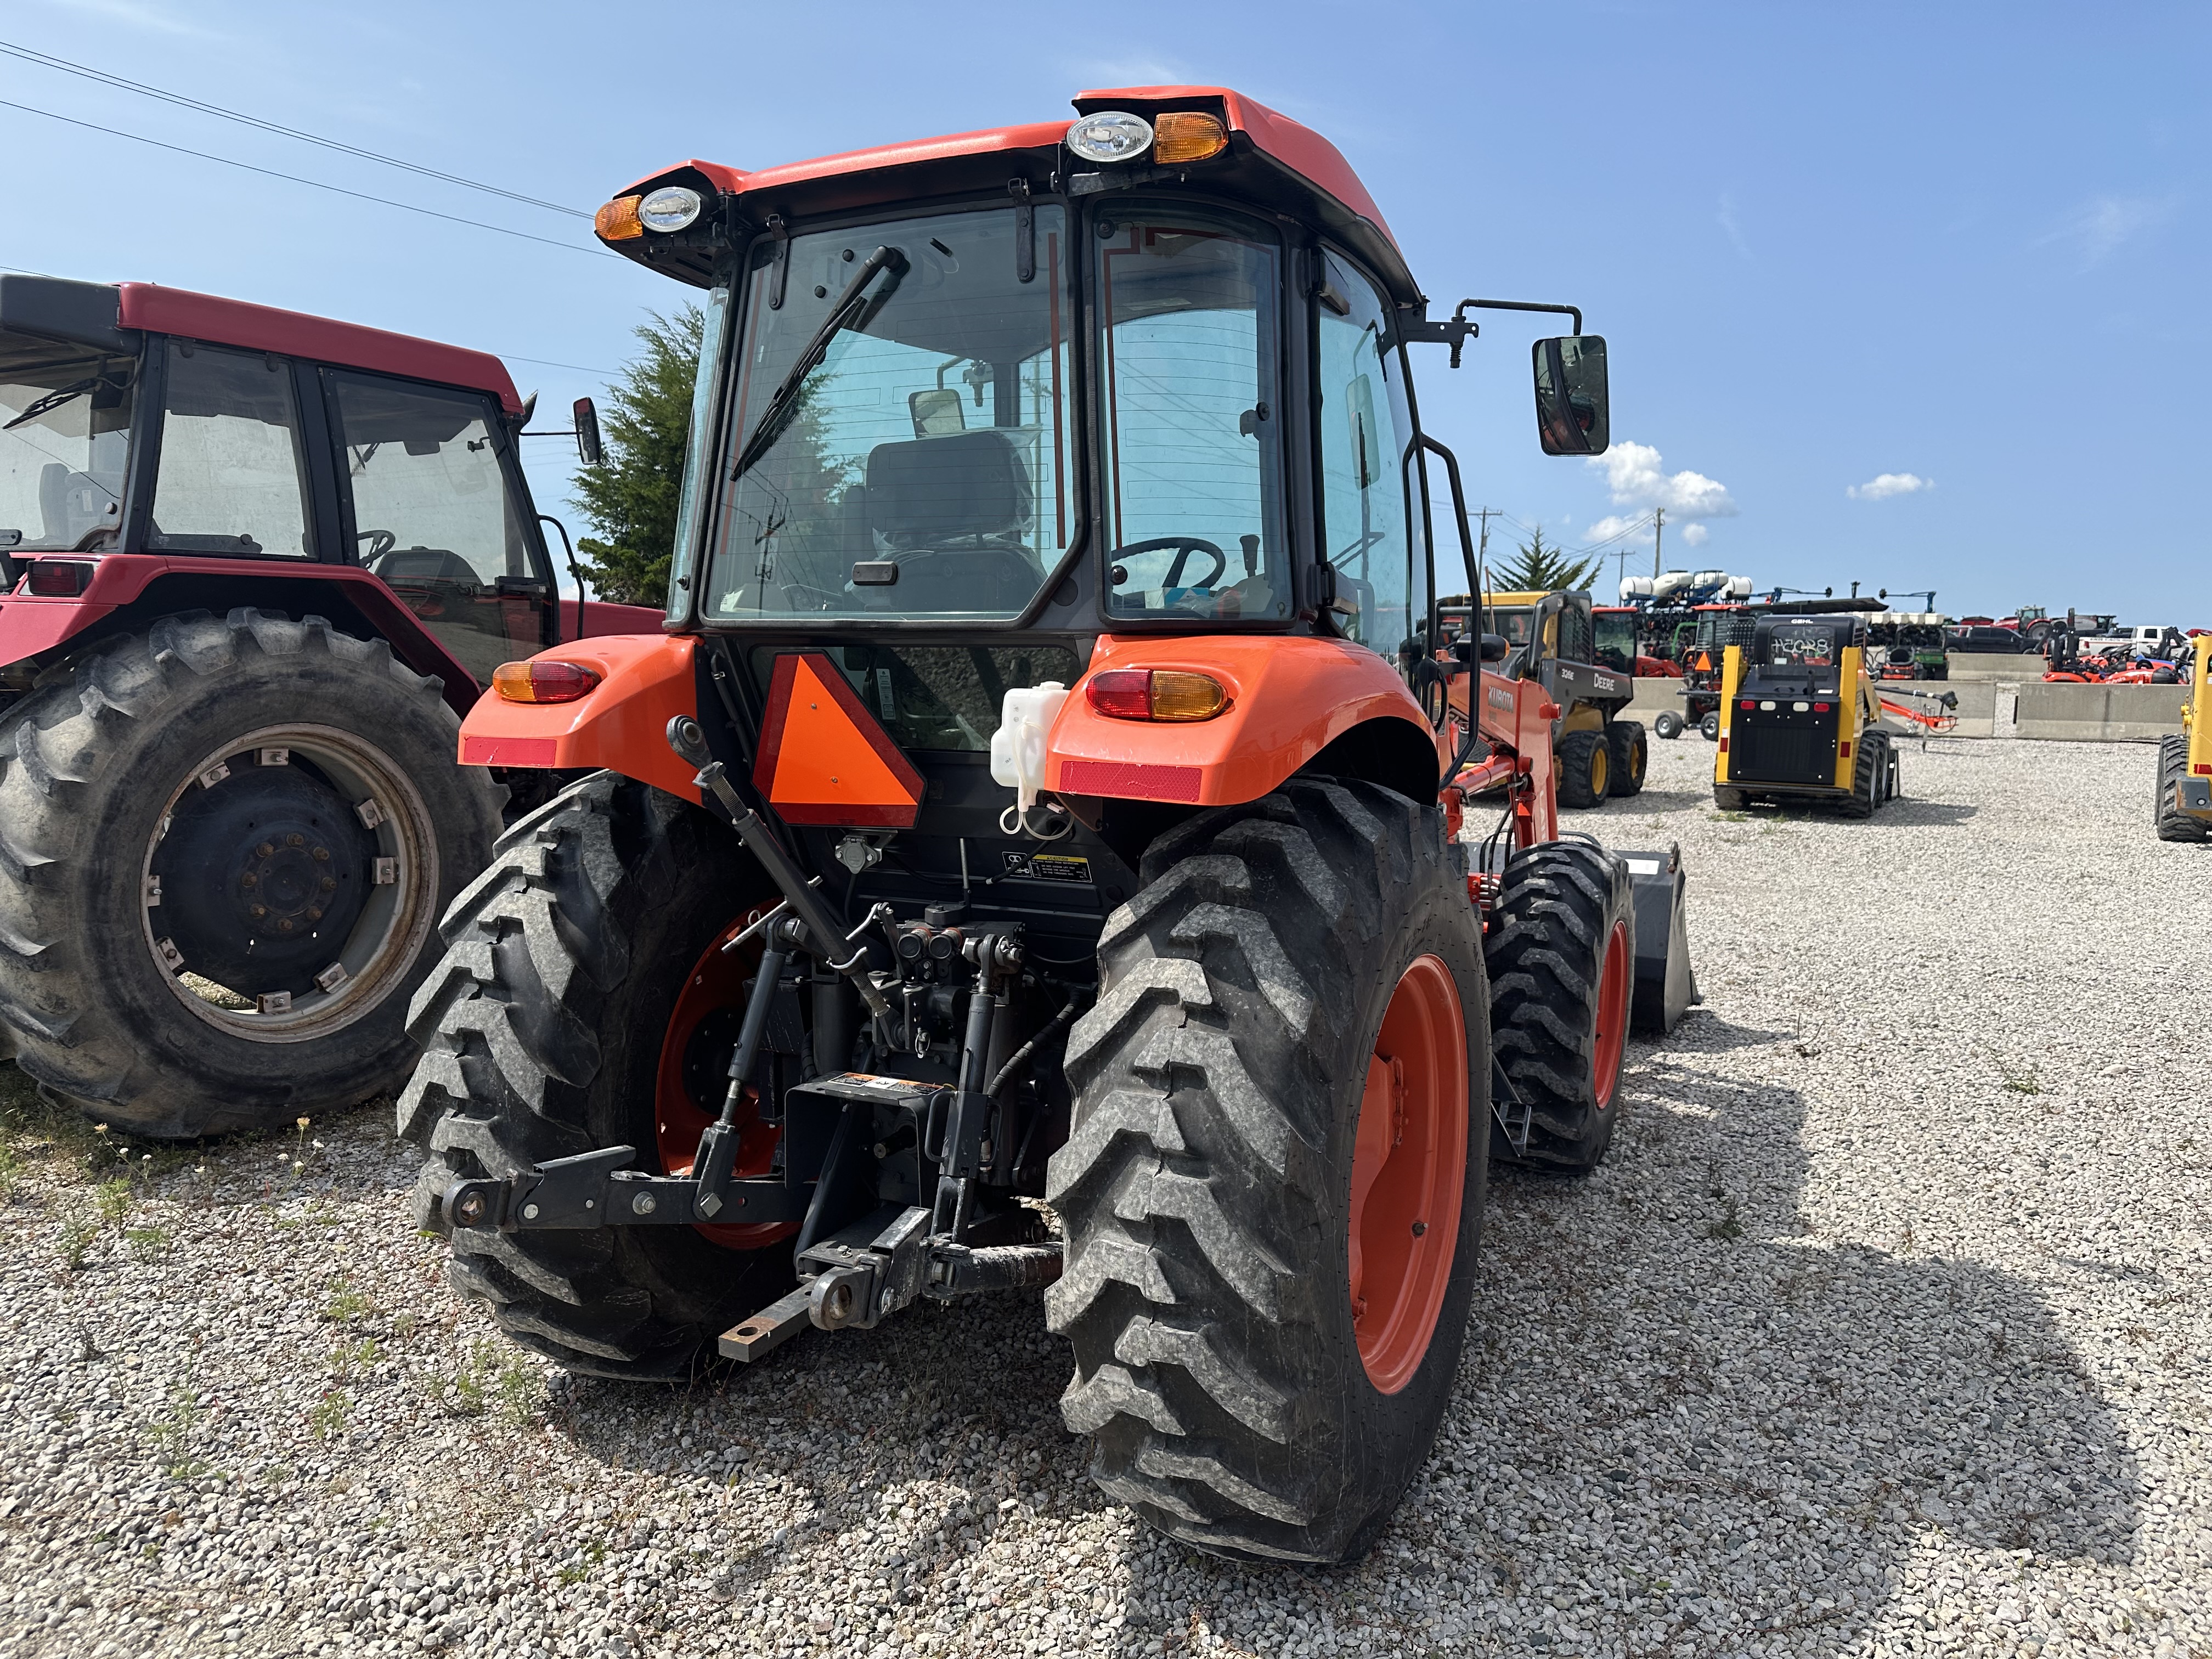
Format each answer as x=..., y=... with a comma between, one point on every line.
x=919, y=466
x=1616, y=640
x=66, y=439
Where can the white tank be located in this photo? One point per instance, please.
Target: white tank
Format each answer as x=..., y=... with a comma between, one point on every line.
x=1634, y=588
x=1738, y=587
x=1670, y=584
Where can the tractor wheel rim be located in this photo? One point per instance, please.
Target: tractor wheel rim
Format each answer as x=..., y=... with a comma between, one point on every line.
x=346, y=853
x=693, y=1071
x=1408, y=1174
x=1611, y=1033
x=1599, y=768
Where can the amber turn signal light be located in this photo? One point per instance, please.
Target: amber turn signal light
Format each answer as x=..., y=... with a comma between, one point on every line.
x=1187, y=135
x=617, y=221
x=1155, y=694
x=543, y=682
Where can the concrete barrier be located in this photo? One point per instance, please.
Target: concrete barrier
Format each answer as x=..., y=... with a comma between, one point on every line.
x=1994, y=665
x=2097, y=713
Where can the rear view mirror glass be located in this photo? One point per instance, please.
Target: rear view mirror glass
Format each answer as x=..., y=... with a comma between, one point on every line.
x=937, y=414
x=1572, y=414
x=589, y=449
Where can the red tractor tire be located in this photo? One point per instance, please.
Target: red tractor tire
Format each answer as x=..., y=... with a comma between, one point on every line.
x=224, y=845
x=1244, y=1152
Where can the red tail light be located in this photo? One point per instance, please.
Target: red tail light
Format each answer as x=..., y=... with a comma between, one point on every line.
x=1822, y=707
x=1746, y=704
x=1155, y=694
x=543, y=682
x=59, y=578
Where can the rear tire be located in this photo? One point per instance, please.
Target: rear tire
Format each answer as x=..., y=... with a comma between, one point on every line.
x=221, y=770
x=1207, y=1186
x=1730, y=800
x=1630, y=755
x=1561, y=954
x=2173, y=768
x=544, y=1029
x=1709, y=727
x=1668, y=724
x=1583, y=763
x=1870, y=770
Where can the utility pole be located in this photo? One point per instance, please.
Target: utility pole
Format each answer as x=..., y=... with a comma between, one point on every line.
x=1658, y=530
x=1482, y=547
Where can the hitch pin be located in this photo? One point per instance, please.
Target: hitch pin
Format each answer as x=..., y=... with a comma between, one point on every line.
x=768, y=918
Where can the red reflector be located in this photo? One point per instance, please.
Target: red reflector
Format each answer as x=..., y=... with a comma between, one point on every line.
x=543, y=682
x=506, y=751
x=2202, y=770
x=1130, y=778
x=1724, y=743
x=1122, y=694
x=1746, y=704
x=1822, y=707
x=1843, y=750
x=59, y=578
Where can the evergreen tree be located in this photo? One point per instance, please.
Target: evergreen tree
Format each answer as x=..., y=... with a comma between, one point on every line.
x=1543, y=569
x=633, y=495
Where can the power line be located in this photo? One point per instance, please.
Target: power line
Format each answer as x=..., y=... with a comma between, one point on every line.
x=294, y=178
x=45, y=61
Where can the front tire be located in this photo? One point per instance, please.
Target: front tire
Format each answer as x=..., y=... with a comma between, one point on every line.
x=223, y=848
x=546, y=1031
x=1562, y=959
x=1227, y=1167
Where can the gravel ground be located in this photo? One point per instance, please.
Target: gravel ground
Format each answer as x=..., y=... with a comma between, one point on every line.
x=1881, y=1332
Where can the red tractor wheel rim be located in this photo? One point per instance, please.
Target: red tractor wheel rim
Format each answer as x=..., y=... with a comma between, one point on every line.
x=1613, y=977
x=715, y=990
x=1408, y=1174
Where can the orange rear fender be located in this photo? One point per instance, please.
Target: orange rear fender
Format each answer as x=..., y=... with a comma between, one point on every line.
x=1288, y=698
x=622, y=723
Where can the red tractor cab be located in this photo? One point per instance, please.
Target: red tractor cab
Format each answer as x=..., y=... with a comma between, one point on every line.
x=256, y=565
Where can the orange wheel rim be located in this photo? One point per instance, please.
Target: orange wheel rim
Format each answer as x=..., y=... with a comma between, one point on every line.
x=1408, y=1174
x=693, y=1071
x=1612, y=1015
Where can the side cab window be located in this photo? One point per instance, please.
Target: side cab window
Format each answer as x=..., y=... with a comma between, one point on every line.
x=1370, y=469
x=433, y=514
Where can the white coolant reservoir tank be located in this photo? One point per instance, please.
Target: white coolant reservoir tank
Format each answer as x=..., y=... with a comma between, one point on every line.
x=1017, y=751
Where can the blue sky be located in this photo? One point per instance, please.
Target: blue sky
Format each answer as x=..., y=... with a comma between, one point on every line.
x=1935, y=255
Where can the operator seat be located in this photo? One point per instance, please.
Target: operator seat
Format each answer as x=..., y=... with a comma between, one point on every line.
x=950, y=511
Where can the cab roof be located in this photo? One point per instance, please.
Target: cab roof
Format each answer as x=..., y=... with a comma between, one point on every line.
x=109, y=316
x=1271, y=161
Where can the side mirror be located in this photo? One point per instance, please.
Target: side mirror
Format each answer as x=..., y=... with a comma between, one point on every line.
x=936, y=414
x=1573, y=416
x=589, y=450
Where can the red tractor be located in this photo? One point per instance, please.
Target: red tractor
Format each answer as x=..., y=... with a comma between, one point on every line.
x=1029, y=855
x=256, y=565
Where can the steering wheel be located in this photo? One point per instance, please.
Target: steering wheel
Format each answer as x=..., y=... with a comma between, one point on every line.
x=381, y=542
x=1187, y=546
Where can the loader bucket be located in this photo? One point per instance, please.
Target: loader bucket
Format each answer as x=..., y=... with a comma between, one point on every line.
x=1666, y=988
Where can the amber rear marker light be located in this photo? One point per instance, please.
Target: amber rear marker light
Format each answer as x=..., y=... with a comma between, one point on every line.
x=1188, y=135
x=617, y=221
x=1155, y=694
x=543, y=682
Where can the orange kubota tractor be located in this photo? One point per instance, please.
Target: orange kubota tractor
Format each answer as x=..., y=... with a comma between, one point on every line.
x=1027, y=857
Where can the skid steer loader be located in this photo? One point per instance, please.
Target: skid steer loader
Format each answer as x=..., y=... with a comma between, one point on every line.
x=1801, y=720
x=1029, y=856
x=1553, y=638
x=2182, y=808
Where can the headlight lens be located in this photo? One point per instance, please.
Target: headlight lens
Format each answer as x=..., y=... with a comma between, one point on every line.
x=670, y=208
x=1112, y=135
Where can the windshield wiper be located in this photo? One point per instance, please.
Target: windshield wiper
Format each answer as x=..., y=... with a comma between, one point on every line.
x=53, y=400
x=784, y=400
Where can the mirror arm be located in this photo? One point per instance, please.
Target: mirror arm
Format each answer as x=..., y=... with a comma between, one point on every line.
x=1456, y=331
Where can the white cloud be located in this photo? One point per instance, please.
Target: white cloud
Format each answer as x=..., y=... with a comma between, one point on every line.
x=1634, y=475
x=1694, y=535
x=1888, y=484
x=1613, y=525
x=2098, y=227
